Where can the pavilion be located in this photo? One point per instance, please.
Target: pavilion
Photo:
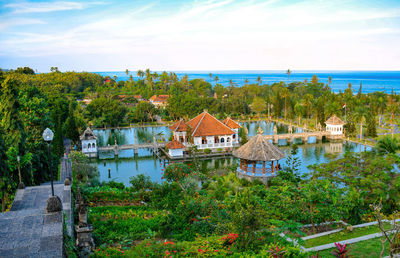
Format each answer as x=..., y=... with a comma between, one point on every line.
x=255, y=154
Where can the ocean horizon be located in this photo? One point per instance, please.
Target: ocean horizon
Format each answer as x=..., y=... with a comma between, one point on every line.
x=371, y=81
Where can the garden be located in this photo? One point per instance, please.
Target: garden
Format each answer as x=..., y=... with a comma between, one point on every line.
x=195, y=214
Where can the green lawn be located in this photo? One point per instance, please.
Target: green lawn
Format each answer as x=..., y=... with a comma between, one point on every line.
x=370, y=248
x=342, y=235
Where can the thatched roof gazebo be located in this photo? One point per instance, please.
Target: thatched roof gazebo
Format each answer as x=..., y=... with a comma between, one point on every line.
x=256, y=151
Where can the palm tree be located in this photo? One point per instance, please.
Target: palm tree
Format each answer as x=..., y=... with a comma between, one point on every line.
x=360, y=115
x=216, y=79
x=246, y=81
x=127, y=71
x=329, y=80
x=388, y=145
x=210, y=75
x=285, y=93
x=259, y=80
x=299, y=110
x=140, y=73
x=288, y=72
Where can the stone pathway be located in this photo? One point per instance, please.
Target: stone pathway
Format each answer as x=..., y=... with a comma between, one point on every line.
x=27, y=230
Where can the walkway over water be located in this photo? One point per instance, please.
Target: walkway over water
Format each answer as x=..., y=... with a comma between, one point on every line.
x=27, y=230
x=304, y=136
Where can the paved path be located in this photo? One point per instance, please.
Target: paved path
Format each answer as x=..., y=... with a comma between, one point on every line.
x=27, y=230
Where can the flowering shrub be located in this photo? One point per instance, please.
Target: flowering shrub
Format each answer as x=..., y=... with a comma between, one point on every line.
x=177, y=172
x=108, y=252
x=230, y=239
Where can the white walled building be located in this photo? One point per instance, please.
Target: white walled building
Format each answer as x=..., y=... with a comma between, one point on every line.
x=175, y=148
x=335, y=125
x=207, y=132
x=89, y=143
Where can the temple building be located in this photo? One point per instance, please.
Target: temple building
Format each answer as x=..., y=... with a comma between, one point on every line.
x=206, y=132
x=335, y=125
x=159, y=101
x=89, y=143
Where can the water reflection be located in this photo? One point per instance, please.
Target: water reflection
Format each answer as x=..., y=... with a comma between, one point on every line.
x=127, y=164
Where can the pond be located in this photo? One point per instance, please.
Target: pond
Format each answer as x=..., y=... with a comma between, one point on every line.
x=127, y=165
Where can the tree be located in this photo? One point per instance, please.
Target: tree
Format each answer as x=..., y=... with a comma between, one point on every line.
x=329, y=80
x=299, y=110
x=388, y=145
x=58, y=142
x=258, y=105
x=25, y=70
x=288, y=72
x=314, y=79
x=259, y=80
x=54, y=69
x=10, y=116
x=371, y=125
x=285, y=94
x=243, y=135
x=70, y=128
x=126, y=71
x=7, y=185
x=144, y=112
x=293, y=162
x=360, y=115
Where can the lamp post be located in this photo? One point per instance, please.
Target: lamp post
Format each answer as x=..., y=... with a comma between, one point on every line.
x=54, y=202
x=20, y=185
x=48, y=137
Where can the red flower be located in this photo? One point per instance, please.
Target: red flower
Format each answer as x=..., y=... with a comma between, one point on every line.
x=200, y=251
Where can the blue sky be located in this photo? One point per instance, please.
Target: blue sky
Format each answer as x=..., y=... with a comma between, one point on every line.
x=107, y=35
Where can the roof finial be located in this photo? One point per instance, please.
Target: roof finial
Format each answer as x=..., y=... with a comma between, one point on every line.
x=205, y=110
x=260, y=131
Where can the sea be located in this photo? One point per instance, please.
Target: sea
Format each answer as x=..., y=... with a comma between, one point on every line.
x=371, y=81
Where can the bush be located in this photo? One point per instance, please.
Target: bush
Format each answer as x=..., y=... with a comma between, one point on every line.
x=113, y=184
x=140, y=183
x=207, y=151
x=105, y=195
x=112, y=224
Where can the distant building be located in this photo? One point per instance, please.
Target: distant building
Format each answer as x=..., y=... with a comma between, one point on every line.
x=207, y=132
x=159, y=101
x=138, y=97
x=175, y=148
x=87, y=101
x=89, y=143
x=334, y=125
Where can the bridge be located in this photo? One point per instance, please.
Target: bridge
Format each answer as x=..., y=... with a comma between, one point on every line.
x=135, y=147
x=303, y=135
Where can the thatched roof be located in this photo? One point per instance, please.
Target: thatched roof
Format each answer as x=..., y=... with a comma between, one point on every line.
x=88, y=135
x=258, y=148
x=334, y=120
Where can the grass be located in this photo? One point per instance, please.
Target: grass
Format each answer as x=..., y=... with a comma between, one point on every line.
x=368, y=248
x=343, y=235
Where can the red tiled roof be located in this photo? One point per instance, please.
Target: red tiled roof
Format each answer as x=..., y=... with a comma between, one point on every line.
x=137, y=96
x=231, y=123
x=207, y=125
x=174, y=145
x=159, y=98
x=179, y=126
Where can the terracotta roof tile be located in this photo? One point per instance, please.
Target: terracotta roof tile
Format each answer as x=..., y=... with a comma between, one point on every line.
x=174, y=145
x=179, y=126
x=207, y=125
x=231, y=123
x=159, y=98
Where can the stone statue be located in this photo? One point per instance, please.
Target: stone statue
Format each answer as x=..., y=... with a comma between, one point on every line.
x=275, y=130
x=290, y=128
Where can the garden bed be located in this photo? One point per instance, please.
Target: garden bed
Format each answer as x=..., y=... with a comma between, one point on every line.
x=322, y=228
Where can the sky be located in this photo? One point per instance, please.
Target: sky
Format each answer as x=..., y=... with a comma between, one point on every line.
x=193, y=35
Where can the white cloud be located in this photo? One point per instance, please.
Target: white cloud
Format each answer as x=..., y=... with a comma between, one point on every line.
x=42, y=7
x=19, y=22
x=224, y=35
